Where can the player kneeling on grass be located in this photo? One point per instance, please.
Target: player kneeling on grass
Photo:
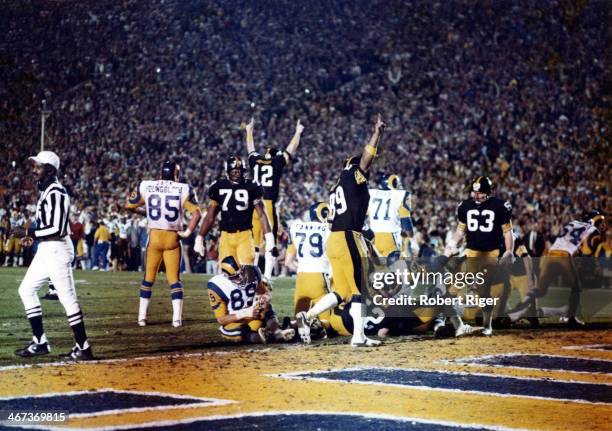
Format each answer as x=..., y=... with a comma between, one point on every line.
x=240, y=300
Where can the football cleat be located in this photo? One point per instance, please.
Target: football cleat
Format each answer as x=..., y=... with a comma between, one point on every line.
x=366, y=342
x=466, y=329
x=142, y=322
x=33, y=349
x=487, y=332
x=303, y=326
x=79, y=355
x=572, y=322
x=284, y=334
x=177, y=323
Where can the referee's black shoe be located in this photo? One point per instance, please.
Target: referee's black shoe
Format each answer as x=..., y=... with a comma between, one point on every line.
x=78, y=355
x=33, y=349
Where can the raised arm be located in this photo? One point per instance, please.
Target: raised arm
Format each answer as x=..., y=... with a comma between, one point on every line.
x=250, y=142
x=371, y=148
x=295, y=141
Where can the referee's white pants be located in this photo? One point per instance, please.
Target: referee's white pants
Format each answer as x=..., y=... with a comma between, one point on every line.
x=52, y=261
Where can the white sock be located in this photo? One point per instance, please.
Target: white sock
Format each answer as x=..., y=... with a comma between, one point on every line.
x=487, y=319
x=142, y=310
x=177, y=309
x=270, y=262
x=328, y=302
x=42, y=340
x=456, y=321
x=358, y=330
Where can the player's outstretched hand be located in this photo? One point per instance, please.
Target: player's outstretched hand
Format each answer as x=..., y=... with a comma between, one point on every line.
x=250, y=125
x=380, y=125
x=298, y=127
x=198, y=246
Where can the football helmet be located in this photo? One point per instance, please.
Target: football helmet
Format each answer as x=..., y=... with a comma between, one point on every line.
x=353, y=160
x=481, y=188
x=171, y=171
x=234, y=168
x=229, y=266
x=271, y=152
x=391, y=182
x=596, y=218
x=319, y=212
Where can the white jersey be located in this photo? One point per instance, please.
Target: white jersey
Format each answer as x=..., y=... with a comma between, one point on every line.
x=236, y=297
x=309, y=239
x=384, y=210
x=572, y=236
x=165, y=201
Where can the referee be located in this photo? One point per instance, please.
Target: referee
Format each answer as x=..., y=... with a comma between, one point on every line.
x=53, y=261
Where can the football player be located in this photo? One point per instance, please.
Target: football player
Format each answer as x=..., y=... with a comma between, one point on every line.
x=236, y=198
x=164, y=201
x=346, y=247
x=12, y=244
x=389, y=215
x=240, y=300
x=307, y=244
x=486, y=222
x=576, y=237
x=267, y=171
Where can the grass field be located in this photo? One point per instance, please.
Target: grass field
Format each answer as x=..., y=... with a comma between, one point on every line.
x=110, y=304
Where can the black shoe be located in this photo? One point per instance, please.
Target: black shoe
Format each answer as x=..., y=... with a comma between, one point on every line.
x=51, y=297
x=534, y=322
x=79, y=355
x=33, y=349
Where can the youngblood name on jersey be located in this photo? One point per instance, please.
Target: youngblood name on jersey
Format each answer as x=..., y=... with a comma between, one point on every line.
x=164, y=202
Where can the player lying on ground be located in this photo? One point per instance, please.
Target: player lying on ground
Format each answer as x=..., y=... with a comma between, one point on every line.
x=241, y=302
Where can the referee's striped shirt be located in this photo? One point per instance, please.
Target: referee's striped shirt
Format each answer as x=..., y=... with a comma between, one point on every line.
x=53, y=212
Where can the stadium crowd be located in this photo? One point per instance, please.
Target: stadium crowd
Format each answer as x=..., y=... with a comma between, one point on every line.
x=513, y=89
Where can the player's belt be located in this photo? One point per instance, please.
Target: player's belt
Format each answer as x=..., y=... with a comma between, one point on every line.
x=52, y=238
x=234, y=230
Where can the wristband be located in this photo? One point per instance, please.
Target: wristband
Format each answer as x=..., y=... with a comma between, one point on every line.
x=371, y=150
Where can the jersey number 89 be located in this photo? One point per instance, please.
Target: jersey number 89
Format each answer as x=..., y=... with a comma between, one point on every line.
x=337, y=199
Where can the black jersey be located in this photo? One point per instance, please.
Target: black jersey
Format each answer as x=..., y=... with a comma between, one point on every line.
x=237, y=201
x=485, y=223
x=349, y=200
x=267, y=173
